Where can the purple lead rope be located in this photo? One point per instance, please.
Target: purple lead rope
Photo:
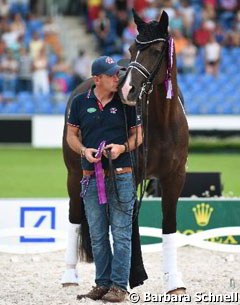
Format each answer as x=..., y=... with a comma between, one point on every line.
x=102, y=198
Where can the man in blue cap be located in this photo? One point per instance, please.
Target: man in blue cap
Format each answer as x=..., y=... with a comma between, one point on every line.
x=95, y=116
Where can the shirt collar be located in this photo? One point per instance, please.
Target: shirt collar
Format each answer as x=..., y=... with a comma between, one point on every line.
x=90, y=93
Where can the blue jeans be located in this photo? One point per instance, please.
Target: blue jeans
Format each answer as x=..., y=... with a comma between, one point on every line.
x=111, y=269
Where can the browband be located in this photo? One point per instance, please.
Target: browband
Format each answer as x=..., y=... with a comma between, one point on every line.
x=150, y=41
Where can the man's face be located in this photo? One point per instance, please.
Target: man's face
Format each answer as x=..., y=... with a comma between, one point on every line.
x=107, y=82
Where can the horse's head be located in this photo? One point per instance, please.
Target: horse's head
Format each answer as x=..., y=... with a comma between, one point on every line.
x=148, y=64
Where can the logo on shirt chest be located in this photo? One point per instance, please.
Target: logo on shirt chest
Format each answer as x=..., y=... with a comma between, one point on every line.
x=91, y=110
x=113, y=110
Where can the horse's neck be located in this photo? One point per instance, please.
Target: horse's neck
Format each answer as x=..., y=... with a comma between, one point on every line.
x=162, y=110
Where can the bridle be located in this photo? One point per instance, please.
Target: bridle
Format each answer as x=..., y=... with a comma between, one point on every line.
x=147, y=86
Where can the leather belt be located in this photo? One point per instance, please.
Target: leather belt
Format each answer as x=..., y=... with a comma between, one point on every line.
x=117, y=171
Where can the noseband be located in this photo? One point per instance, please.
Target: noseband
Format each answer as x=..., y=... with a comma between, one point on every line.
x=147, y=86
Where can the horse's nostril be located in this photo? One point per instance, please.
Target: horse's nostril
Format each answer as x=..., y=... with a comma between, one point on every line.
x=132, y=90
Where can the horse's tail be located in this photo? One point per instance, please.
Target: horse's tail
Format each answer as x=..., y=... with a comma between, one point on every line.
x=85, y=249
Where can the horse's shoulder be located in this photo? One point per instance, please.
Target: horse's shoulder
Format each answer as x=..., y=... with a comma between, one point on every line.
x=79, y=97
x=81, y=91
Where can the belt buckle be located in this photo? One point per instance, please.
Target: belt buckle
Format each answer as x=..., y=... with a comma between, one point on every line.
x=119, y=169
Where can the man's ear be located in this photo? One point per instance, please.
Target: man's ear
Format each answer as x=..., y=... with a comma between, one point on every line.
x=95, y=79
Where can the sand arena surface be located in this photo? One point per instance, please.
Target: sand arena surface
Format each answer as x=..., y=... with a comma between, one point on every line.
x=35, y=279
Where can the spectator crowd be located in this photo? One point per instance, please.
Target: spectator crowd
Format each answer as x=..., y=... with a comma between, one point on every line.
x=194, y=24
x=31, y=55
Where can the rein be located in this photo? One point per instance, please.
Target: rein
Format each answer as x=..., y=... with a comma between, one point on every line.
x=143, y=108
x=118, y=207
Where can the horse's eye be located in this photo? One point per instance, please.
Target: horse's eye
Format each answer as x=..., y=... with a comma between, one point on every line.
x=156, y=52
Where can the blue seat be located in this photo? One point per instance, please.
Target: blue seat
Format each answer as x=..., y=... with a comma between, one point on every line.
x=207, y=79
x=210, y=108
x=42, y=98
x=183, y=86
x=224, y=51
x=24, y=97
x=233, y=69
x=44, y=108
x=1, y=107
x=42, y=103
x=192, y=108
x=236, y=51
x=60, y=108
x=19, y=8
x=28, y=107
x=224, y=108
x=11, y=107
x=235, y=56
x=8, y=95
x=226, y=62
x=236, y=109
x=189, y=78
x=203, y=108
x=221, y=79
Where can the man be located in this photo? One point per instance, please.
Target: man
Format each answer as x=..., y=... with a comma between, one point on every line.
x=99, y=115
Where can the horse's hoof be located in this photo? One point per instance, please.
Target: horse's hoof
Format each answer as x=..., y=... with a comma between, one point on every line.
x=70, y=278
x=173, y=283
x=177, y=291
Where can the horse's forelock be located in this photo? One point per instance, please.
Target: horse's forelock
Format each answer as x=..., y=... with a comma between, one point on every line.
x=150, y=31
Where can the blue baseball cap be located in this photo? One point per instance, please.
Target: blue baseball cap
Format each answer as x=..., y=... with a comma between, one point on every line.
x=105, y=65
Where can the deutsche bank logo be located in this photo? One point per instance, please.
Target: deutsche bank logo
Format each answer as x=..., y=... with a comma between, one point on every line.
x=37, y=217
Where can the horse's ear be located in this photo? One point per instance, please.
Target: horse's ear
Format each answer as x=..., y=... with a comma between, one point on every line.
x=139, y=22
x=163, y=22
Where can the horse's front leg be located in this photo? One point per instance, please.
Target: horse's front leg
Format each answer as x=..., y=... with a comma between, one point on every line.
x=171, y=189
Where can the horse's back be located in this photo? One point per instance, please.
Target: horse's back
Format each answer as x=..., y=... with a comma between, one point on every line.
x=84, y=86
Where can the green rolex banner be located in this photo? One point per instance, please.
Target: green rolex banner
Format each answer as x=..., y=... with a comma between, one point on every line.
x=195, y=215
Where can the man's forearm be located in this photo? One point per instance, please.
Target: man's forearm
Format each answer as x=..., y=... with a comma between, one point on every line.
x=75, y=144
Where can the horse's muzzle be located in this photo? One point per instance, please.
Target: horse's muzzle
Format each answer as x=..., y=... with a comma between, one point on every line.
x=129, y=103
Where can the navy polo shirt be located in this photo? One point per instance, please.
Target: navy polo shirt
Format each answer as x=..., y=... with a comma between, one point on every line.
x=102, y=123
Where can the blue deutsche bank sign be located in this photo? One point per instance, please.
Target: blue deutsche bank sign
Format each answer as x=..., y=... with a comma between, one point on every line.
x=37, y=217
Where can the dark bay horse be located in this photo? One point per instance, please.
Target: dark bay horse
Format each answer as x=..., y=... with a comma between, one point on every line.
x=167, y=146
x=151, y=83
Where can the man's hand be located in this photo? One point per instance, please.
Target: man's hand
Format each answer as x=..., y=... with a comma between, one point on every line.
x=116, y=150
x=89, y=154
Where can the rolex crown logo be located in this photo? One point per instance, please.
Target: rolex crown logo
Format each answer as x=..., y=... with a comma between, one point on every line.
x=202, y=213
